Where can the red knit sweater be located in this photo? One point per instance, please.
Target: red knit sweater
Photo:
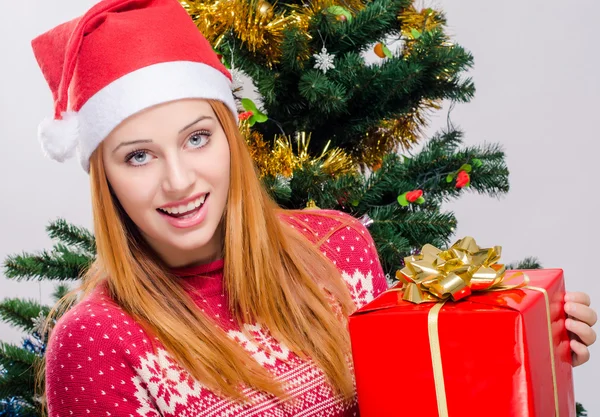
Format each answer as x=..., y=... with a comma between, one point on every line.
x=99, y=360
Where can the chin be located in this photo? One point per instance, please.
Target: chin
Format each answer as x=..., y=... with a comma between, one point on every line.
x=189, y=243
x=193, y=238
x=165, y=238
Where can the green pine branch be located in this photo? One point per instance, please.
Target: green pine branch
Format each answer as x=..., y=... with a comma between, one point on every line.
x=379, y=18
x=311, y=182
x=18, y=377
x=530, y=262
x=325, y=96
x=396, y=235
x=58, y=264
x=441, y=156
x=71, y=235
x=68, y=259
x=429, y=170
x=60, y=291
x=279, y=188
x=20, y=312
x=581, y=411
x=295, y=43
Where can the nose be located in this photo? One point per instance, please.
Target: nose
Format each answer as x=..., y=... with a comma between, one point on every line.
x=178, y=177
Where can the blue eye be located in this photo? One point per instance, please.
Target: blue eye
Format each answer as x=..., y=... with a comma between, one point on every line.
x=199, y=139
x=137, y=158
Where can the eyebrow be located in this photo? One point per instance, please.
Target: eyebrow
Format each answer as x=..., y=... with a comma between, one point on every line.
x=133, y=142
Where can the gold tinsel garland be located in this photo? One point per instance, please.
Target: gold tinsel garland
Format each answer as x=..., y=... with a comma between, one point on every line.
x=403, y=133
x=255, y=23
x=423, y=20
x=282, y=159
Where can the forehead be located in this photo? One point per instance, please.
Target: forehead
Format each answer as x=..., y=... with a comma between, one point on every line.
x=164, y=118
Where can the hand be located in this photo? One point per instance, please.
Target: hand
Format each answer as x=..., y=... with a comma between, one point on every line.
x=580, y=319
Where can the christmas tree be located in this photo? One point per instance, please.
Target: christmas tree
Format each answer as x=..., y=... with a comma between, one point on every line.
x=329, y=130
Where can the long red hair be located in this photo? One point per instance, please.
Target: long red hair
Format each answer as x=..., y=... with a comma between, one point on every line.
x=273, y=276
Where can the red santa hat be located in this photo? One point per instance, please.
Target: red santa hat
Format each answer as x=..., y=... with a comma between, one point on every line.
x=121, y=57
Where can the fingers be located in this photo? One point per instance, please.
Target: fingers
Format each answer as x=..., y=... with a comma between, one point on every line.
x=580, y=322
x=581, y=312
x=578, y=297
x=585, y=333
x=581, y=353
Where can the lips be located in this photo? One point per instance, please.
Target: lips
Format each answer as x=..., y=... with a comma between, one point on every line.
x=187, y=219
x=185, y=209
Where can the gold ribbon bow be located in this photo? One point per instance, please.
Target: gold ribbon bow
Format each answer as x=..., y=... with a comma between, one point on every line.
x=435, y=275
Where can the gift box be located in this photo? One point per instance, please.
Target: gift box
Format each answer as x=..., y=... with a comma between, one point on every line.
x=500, y=352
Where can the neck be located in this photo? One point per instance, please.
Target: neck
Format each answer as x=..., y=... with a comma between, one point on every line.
x=178, y=258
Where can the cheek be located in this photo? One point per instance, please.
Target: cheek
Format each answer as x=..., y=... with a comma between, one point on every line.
x=226, y=170
x=218, y=169
x=134, y=194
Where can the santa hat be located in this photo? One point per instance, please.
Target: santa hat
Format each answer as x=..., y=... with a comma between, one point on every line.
x=119, y=58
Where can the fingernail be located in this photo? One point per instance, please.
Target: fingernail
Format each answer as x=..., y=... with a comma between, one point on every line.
x=568, y=323
x=572, y=307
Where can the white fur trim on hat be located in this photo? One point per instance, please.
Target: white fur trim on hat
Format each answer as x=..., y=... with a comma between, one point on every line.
x=143, y=88
x=59, y=137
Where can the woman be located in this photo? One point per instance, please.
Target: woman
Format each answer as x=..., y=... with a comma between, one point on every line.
x=205, y=298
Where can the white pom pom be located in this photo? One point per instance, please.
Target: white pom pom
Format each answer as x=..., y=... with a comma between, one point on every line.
x=59, y=137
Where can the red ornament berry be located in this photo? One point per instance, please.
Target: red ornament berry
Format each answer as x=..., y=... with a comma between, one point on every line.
x=462, y=179
x=245, y=115
x=413, y=195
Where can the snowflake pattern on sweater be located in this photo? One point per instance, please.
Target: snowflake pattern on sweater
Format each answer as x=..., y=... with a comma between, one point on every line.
x=99, y=361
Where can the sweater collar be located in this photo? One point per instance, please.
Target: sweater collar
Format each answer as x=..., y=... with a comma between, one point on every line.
x=204, y=280
x=203, y=269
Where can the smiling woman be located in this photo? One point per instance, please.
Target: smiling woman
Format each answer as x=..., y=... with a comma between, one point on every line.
x=205, y=299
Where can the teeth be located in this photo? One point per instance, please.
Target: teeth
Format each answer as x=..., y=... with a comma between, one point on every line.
x=185, y=208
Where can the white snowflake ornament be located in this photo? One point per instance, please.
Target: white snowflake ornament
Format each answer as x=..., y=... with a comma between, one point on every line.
x=38, y=322
x=324, y=60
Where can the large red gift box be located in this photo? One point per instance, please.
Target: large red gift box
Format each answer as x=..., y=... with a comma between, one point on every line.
x=496, y=354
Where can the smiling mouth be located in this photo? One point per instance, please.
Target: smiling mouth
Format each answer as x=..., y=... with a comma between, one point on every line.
x=186, y=210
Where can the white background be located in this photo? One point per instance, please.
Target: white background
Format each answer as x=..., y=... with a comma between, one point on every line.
x=536, y=66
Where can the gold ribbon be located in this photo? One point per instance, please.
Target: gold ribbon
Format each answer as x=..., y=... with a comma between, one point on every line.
x=436, y=359
x=436, y=276
x=549, y=320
